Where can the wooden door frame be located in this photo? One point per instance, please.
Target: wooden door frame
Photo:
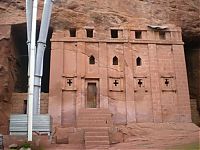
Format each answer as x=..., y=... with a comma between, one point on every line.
x=98, y=91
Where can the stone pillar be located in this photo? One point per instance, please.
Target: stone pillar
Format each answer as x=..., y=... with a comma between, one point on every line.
x=80, y=93
x=129, y=85
x=184, y=109
x=55, y=85
x=155, y=85
x=103, y=71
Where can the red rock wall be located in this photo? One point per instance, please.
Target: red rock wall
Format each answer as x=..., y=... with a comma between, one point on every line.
x=156, y=91
x=18, y=103
x=193, y=69
x=7, y=76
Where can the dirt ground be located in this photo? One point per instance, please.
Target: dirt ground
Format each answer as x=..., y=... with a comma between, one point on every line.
x=160, y=137
x=146, y=136
x=150, y=136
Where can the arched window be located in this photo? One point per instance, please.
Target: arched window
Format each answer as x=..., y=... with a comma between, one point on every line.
x=139, y=61
x=115, y=60
x=92, y=60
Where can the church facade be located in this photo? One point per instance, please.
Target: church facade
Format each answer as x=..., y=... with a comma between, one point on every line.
x=138, y=73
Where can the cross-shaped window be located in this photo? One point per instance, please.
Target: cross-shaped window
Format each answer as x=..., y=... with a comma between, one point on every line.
x=140, y=82
x=166, y=82
x=116, y=83
x=69, y=81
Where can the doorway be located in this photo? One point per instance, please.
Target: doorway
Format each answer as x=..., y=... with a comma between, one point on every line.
x=92, y=100
x=18, y=34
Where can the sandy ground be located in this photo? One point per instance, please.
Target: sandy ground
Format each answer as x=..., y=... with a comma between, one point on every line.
x=159, y=136
x=148, y=136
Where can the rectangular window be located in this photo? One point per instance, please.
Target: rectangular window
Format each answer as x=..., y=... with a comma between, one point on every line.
x=138, y=34
x=25, y=107
x=72, y=32
x=89, y=33
x=162, y=35
x=114, y=33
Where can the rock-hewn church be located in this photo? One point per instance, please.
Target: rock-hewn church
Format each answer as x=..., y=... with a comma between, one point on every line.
x=138, y=73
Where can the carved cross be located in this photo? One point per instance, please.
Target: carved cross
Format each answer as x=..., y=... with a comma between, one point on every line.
x=116, y=83
x=140, y=82
x=69, y=81
x=166, y=82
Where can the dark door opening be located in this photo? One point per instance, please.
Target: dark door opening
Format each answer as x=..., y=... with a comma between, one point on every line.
x=92, y=95
x=19, y=39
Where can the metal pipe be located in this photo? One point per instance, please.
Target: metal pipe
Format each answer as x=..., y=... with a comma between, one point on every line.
x=41, y=45
x=32, y=70
x=29, y=11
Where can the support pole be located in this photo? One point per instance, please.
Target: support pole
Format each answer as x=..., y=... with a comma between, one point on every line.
x=32, y=70
x=41, y=45
x=29, y=11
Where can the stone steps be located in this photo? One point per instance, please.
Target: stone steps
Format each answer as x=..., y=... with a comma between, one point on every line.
x=87, y=124
x=96, y=133
x=65, y=147
x=96, y=143
x=97, y=138
x=95, y=110
x=100, y=147
x=94, y=115
x=92, y=118
x=95, y=129
x=95, y=123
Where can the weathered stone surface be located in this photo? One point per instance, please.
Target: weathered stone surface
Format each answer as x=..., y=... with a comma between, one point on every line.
x=68, y=135
x=88, y=12
x=157, y=136
x=116, y=137
x=7, y=76
x=192, y=53
x=144, y=92
x=37, y=143
x=19, y=103
x=13, y=146
x=195, y=111
x=62, y=135
x=76, y=138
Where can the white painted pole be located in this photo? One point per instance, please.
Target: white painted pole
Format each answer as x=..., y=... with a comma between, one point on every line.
x=41, y=46
x=32, y=70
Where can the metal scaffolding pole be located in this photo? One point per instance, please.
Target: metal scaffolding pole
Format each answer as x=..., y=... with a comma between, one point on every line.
x=29, y=11
x=32, y=69
x=41, y=45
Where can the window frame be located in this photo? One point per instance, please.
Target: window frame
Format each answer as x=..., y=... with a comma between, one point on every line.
x=114, y=33
x=72, y=32
x=138, y=61
x=89, y=33
x=138, y=34
x=115, y=61
x=92, y=60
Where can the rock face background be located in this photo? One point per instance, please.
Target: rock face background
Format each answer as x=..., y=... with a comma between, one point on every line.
x=7, y=75
x=66, y=13
x=101, y=14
